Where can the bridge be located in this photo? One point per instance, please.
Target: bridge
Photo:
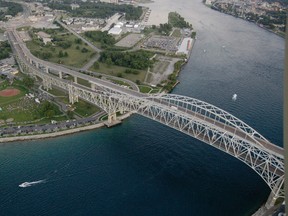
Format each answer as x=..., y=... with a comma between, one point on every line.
x=193, y=117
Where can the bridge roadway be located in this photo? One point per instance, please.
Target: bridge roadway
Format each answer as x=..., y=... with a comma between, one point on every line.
x=23, y=51
x=222, y=125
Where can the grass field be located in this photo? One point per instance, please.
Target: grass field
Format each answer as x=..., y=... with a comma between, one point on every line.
x=75, y=57
x=82, y=107
x=21, y=109
x=160, y=67
x=57, y=92
x=149, y=89
x=114, y=70
x=85, y=109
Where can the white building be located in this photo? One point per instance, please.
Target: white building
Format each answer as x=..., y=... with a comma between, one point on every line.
x=89, y=28
x=115, y=31
x=74, y=6
x=185, y=46
x=110, y=1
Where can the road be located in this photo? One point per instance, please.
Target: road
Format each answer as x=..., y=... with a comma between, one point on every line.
x=22, y=50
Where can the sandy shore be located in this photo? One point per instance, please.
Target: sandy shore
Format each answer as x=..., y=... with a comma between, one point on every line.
x=59, y=133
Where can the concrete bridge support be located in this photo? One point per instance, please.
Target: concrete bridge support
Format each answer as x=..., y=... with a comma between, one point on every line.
x=112, y=118
x=75, y=79
x=60, y=75
x=72, y=96
x=47, y=84
x=93, y=86
x=47, y=70
x=274, y=196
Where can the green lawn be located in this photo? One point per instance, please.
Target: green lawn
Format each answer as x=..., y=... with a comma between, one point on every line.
x=83, y=82
x=85, y=109
x=22, y=109
x=57, y=92
x=119, y=71
x=82, y=107
x=75, y=57
x=149, y=89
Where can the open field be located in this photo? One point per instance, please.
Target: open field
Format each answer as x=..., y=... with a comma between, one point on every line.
x=130, y=40
x=76, y=56
x=82, y=107
x=149, y=89
x=21, y=109
x=119, y=71
x=160, y=66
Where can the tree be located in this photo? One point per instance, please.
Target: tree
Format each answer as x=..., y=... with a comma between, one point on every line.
x=78, y=41
x=84, y=50
x=96, y=65
x=60, y=54
x=28, y=81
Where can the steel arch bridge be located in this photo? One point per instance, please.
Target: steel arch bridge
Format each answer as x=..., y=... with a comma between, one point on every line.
x=193, y=117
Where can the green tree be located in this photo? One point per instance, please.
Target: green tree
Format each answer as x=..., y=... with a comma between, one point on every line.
x=28, y=81
x=96, y=65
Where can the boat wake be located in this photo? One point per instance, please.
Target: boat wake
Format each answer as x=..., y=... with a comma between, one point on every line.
x=28, y=184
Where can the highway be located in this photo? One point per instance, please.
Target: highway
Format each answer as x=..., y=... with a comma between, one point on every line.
x=23, y=52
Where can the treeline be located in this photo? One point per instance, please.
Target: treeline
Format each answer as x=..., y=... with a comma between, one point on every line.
x=104, y=38
x=48, y=109
x=178, y=21
x=136, y=60
x=9, y=8
x=5, y=50
x=99, y=10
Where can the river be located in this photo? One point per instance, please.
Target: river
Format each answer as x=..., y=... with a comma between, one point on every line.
x=144, y=168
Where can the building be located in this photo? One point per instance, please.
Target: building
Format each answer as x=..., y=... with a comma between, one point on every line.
x=74, y=6
x=115, y=31
x=110, y=1
x=185, y=46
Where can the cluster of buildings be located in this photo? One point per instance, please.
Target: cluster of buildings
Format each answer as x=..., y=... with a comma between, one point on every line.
x=7, y=70
x=81, y=24
x=112, y=25
x=257, y=7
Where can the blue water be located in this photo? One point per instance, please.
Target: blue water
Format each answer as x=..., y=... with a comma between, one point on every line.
x=144, y=168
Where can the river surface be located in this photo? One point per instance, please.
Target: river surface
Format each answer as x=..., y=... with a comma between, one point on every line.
x=144, y=168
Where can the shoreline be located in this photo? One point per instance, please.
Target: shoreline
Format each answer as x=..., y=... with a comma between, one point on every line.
x=59, y=133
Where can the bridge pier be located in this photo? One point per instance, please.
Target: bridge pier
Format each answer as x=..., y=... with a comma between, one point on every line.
x=47, y=84
x=275, y=194
x=112, y=120
x=60, y=75
x=112, y=117
x=93, y=86
x=72, y=96
x=75, y=79
x=47, y=70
